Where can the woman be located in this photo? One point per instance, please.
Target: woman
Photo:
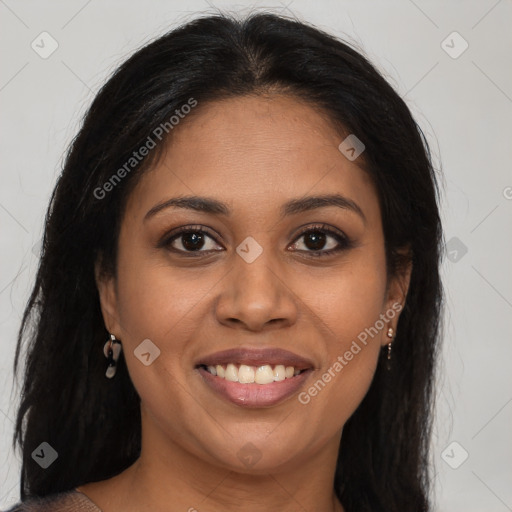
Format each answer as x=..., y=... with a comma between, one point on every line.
x=238, y=299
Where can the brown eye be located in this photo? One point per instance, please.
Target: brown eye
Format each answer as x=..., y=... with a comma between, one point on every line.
x=315, y=240
x=192, y=241
x=189, y=240
x=320, y=241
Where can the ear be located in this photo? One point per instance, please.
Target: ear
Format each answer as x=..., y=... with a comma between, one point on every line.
x=108, y=300
x=397, y=289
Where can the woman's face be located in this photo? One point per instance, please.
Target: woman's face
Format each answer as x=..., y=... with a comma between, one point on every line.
x=267, y=267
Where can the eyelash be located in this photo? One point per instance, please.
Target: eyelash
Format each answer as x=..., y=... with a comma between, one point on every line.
x=344, y=242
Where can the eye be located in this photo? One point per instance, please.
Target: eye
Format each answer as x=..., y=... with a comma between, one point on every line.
x=318, y=241
x=321, y=241
x=190, y=239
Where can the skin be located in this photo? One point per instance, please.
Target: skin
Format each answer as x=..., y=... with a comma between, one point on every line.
x=253, y=153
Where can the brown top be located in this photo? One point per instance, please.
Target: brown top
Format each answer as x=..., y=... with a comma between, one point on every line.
x=69, y=501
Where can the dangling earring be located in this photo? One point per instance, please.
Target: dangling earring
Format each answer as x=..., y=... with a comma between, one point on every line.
x=390, y=336
x=112, y=350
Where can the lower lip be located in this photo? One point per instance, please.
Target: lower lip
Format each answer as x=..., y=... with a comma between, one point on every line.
x=254, y=395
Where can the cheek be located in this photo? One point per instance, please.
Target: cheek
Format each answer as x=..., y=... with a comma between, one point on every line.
x=347, y=299
x=154, y=300
x=349, y=313
x=163, y=306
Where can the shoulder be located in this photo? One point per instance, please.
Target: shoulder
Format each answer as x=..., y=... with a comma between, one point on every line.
x=68, y=501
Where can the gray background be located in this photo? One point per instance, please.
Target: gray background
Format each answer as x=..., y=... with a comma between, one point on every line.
x=463, y=104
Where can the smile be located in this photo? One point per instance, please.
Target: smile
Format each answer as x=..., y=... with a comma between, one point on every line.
x=254, y=377
x=251, y=374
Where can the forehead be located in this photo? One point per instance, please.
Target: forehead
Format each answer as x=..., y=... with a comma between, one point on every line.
x=254, y=151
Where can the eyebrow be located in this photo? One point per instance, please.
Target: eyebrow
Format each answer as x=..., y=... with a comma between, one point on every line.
x=292, y=207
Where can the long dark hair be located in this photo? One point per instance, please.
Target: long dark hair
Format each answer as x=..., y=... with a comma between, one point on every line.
x=94, y=423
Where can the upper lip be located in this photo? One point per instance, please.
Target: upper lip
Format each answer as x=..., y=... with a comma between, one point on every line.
x=256, y=357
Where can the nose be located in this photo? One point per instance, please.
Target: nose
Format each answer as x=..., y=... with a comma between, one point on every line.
x=254, y=296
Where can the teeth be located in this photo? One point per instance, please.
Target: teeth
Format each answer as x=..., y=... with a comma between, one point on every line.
x=279, y=372
x=231, y=373
x=246, y=374
x=264, y=375
x=251, y=374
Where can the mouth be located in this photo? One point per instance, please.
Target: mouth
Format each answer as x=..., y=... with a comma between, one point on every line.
x=254, y=378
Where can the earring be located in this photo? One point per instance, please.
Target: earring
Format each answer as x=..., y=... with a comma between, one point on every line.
x=112, y=350
x=390, y=336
